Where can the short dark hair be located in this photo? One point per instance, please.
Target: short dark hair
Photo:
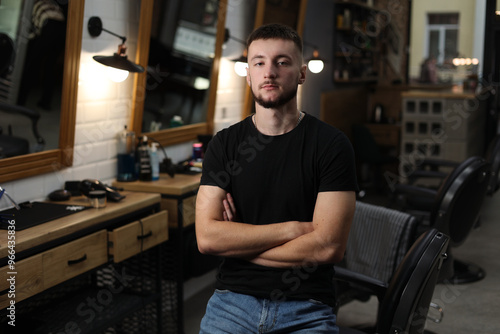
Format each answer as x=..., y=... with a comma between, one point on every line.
x=276, y=31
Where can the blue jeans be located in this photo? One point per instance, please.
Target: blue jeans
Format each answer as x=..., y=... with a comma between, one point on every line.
x=233, y=313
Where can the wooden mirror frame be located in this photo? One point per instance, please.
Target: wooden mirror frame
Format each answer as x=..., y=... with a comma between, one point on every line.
x=183, y=133
x=53, y=160
x=261, y=17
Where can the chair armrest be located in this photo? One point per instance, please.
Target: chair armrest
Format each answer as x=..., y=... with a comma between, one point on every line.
x=408, y=189
x=34, y=115
x=373, y=285
x=436, y=163
x=420, y=173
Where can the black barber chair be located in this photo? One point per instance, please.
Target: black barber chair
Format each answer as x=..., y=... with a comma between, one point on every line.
x=404, y=301
x=371, y=159
x=493, y=157
x=454, y=209
x=378, y=241
x=11, y=145
x=439, y=168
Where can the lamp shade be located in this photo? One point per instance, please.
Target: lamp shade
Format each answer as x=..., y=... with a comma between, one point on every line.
x=120, y=61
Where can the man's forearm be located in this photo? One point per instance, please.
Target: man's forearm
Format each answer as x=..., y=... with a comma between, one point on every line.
x=308, y=249
x=219, y=235
x=234, y=239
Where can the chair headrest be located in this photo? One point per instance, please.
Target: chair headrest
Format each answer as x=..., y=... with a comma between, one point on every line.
x=459, y=204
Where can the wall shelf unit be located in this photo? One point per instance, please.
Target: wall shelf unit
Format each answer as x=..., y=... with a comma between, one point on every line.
x=358, y=29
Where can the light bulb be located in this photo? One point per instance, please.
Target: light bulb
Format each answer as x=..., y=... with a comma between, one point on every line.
x=201, y=83
x=116, y=75
x=315, y=65
x=241, y=68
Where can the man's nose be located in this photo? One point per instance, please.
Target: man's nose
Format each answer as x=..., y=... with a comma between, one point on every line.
x=270, y=71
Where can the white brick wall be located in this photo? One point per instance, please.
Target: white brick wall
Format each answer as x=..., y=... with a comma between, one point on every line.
x=104, y=107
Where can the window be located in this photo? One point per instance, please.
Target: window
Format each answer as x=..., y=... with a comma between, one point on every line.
x=442, y=36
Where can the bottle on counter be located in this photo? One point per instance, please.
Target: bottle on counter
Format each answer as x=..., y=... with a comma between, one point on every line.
x=144, y=160
x=155, y=162
x=127, y=170
x=197, y=151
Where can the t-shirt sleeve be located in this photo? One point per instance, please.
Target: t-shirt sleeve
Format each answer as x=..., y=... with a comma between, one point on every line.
x=338, y=168
x=213, y=170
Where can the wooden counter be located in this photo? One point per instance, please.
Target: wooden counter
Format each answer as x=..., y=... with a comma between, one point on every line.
x=178, y=185
x=178, y=195
x=62, y=227
x=439, y=94
x=60, y=264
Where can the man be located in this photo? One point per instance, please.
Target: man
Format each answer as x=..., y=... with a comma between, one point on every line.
x=276, y=201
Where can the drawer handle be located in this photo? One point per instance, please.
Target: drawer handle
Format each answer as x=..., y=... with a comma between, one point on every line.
x=144, y=236
x=72, y=262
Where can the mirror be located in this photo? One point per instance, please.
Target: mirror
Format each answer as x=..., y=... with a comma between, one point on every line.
x=446, y=44
x=57, y=150
x=180, y=43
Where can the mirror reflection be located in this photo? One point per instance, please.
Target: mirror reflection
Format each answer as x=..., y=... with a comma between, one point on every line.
x=181, y=53
x=446, y=43
x=32, y=43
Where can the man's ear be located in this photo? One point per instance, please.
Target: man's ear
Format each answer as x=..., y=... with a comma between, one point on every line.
x=302, y=74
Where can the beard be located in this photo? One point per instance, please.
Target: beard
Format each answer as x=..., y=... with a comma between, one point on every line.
x=281, y=101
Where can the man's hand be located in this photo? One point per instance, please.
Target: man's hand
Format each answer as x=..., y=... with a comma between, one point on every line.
x=229, y=212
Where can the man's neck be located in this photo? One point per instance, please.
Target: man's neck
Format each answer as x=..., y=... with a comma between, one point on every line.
x=274, y=122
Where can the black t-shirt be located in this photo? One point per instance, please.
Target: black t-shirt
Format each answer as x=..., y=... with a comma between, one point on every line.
x=275, y=179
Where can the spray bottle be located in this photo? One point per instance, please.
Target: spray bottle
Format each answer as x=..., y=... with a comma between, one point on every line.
x=155, y=162
x=126, y=156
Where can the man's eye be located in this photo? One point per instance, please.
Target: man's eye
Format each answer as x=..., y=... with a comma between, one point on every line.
x=282, y=63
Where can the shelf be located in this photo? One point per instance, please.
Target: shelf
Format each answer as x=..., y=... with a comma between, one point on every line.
x=91, y=311
x=357, y=51
x=357, y=80
x=354, y=30
x=340, y=54
x=357, y=3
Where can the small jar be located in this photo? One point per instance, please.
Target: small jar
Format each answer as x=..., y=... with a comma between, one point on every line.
x=197, y=151
x=97, y=198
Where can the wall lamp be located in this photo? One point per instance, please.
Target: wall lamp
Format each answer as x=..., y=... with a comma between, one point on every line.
x=315, y=64
x=240, y=63
x=118, y=61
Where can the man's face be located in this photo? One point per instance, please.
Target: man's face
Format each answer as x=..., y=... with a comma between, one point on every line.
x=275, y=70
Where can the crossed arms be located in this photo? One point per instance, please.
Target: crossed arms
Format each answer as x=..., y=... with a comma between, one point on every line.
x=284, y=244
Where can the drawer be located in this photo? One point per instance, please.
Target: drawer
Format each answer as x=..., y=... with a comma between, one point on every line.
x=28, y=280
x=74, y=258
x=138, y=236
x=188, y=210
